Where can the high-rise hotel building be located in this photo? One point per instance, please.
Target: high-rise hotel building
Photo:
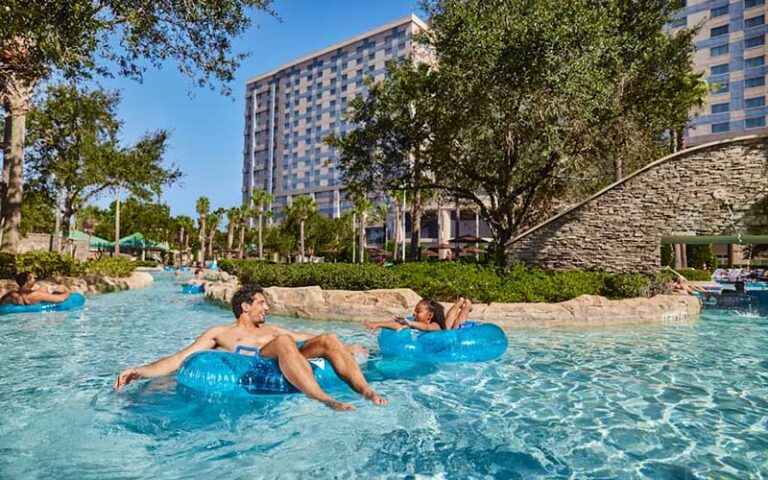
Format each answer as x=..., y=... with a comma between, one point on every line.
x=731, y=51
x=289, y=110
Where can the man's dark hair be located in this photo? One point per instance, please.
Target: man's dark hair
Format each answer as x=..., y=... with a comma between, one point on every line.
x=22, y=277
x=199, y=270
x=244, y=295
x=438, y=312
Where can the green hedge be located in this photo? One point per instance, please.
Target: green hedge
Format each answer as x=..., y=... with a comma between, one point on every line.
x=446, y=281
x=47, y=264
x=112, y=267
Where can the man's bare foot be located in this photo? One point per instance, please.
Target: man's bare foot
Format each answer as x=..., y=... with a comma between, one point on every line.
x=338, y=406
x=467, y=304
x=375, y=398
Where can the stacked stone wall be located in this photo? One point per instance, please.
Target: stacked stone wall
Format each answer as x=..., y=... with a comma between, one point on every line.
x=715, y=189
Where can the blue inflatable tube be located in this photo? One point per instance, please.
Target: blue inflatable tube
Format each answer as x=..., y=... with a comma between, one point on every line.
x=75, y=300
x=235, y=374
x=192, y=289
x=474, y=342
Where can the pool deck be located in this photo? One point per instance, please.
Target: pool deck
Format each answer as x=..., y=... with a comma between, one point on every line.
x=583, y=311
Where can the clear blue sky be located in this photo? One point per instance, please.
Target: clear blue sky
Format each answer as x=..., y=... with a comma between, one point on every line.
x=206, y=127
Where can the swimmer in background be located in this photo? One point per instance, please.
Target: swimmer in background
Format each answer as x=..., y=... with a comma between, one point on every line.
x=198, y=280
x=428, y=316
x=30, y=292
x=249, y=330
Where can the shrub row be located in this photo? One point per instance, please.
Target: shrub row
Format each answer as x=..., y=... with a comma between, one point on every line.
x=446, y=281
x=46, y=264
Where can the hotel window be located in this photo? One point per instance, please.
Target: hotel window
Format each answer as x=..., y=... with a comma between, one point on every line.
x=722, y=88
x=371, y=56
x=754, y=41
x=755, y=122
x=719, y=69
x=753, y=3
x=343, y=88
x=754, y=62
x=717, y=51
x=754, y=21
x=754, y=82
x=679, y=22
x=359, y=61
x=719, y=11
x=720, y=108
x=720, y=127
x=718, y=31
x=756, y=102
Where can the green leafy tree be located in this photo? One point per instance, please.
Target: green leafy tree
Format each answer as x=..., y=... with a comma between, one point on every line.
x=202, y=207
x=529, y=100
x=388, y=152
x=37, y=212
x=79, y=38
x=74, y=149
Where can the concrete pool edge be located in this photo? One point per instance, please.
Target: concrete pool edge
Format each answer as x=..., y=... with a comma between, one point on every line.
x=356, y=306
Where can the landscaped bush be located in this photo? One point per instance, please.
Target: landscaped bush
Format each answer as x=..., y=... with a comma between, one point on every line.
x=689, y=273
x=627, y=285
x=333, y=276
x=47, y=264
x=112, y=267
x=445, y=281
x=145, y=263
x=7, y=265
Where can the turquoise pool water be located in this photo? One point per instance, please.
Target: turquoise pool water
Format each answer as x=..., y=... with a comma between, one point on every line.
x=653, y=402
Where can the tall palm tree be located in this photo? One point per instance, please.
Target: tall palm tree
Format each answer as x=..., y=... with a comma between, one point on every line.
x=259, y=200
x=203, y=206
x=234, y=216
x=214, y=219
x=186, y=227
x=303, y=206
x=245, y=214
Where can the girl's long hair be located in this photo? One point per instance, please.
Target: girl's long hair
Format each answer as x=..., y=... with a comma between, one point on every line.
x=438, y=312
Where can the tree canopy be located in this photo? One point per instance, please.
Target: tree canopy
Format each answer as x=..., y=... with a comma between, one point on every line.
x=74, y=150
x=80, y=38
x=527, y=104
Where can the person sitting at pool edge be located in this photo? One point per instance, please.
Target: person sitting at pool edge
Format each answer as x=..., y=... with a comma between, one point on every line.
x=680, y=285
x=249, y=330
x=428, y=316
x=30, y=293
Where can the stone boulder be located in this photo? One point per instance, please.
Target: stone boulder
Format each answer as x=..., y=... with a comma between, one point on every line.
x=356, y=306
x=91, y=284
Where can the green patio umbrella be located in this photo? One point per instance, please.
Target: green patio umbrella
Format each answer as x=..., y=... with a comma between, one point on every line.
x=95, y=243
x=135, y=241
x=162, y=246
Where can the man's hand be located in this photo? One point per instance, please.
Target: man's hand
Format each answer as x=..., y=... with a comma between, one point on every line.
x=127, y=376
x=370, y=325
